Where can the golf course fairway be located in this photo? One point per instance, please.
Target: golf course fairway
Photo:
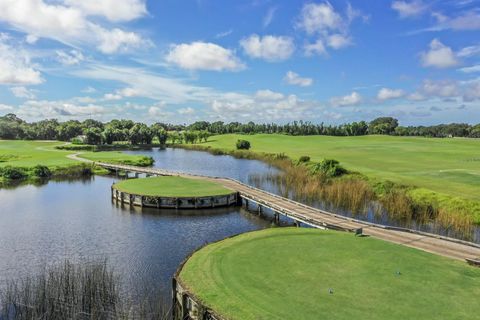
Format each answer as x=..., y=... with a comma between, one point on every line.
x=298, y=273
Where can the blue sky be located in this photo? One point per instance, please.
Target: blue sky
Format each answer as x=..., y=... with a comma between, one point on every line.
x=182, y=61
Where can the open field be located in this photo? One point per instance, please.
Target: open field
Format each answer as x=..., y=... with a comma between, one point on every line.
x=449, y=166
x=171, y=186
x=20, y=153
x=287, y=273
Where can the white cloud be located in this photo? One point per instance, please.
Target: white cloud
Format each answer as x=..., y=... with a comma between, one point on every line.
x=319, y=18
x=112, y=96
x=269, y=16
x=268, y=95
x=330, y=28
x=349, y=100
x=41, y=109
x=315, y=48
x=15, y=65
x=472, y=91
x=89, y=90
x=469, y=51
x=5, y=108
x=439, y=56
x=22, y=92
x=409, y=9
x=441, y=88
x=387, y=94
x=224, y=34
x=67, y=24
x=70, y=58
x=338, y=41
x=295, y=79
x=472, y=69
x=113, y=10
x=270, y=48
x=186, y=111
x=204, y=56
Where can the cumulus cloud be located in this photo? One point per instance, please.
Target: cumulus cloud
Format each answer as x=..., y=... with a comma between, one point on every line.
x=70, y=58
x=349, y=100
x=408, y=9
x=113, y=10
x=68, y=24
x=387, y=94
x=330, y=28
x=22, y=92
x=440, y=88
x=295, y=79
x=270, y=48
x=15, y=65
x=268, y=95
x=203, y=56
x=438, y=56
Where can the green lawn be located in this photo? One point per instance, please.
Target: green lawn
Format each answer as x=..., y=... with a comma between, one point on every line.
x=286, y=273
x=20, y=153
x=449, y=166
x=172, y=186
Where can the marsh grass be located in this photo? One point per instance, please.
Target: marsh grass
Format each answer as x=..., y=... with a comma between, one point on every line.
x=75, y=291
x=354, y=192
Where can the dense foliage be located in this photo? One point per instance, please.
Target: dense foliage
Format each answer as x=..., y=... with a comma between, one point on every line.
x=243, y=144
x=95, y=132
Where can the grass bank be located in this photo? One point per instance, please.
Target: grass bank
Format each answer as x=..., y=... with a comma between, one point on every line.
x=30, y=160
x=288, y=273
x=171, y=186
x=432, y=178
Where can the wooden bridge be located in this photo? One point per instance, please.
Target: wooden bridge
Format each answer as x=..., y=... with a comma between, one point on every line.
x=301, y=213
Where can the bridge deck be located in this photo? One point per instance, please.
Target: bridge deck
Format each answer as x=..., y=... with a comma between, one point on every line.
x=444, y=246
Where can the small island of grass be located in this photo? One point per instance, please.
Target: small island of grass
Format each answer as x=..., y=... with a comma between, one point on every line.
x=287, y=273
x=173, y=192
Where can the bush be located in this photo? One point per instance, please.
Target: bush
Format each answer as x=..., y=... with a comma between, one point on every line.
x=243, y=144
x=329, y=167
x=41, y=171
x=304, y=159
x=12, y=173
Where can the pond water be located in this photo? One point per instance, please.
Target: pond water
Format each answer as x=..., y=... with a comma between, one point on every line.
x=76, y=220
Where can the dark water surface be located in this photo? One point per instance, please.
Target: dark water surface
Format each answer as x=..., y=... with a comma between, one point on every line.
x=43, y=225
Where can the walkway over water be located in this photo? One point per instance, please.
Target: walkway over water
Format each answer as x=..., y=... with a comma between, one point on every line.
x=300, y=213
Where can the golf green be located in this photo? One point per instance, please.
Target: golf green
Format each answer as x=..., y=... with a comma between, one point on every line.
x=171, y=186
x=298, y=273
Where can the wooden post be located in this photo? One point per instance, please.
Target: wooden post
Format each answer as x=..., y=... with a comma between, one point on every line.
x=246, y=204
x=259, y=209
x=121, y=198
x=141, y=201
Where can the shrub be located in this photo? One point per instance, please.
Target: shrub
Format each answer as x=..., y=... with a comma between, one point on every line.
x=243, y=144
x=304, y=159
x=41, y=171
x=329, y=167
x=12, y=173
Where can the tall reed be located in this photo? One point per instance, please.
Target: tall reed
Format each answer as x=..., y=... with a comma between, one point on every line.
x=74, y=291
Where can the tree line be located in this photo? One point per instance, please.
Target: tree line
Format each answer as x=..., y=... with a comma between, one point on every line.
x=94, y=132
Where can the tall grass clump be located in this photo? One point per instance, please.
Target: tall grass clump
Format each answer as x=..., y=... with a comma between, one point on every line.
x=74, y=291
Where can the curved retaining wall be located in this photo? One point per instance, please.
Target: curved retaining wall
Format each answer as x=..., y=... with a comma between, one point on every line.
x=176, y=202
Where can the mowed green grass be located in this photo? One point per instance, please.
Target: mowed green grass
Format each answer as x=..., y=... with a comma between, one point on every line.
x=450, y=166
x=21, y=153
x=286, y=273
x=171, y=186
x=31, y=153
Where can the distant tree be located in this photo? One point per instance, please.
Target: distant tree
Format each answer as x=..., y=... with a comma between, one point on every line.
x=383, y=125
x=93, y=136
x=68, y=130
x=140, y=133
x=160, y=133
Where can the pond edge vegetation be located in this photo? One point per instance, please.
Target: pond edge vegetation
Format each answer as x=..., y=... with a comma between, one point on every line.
x=353, y=191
